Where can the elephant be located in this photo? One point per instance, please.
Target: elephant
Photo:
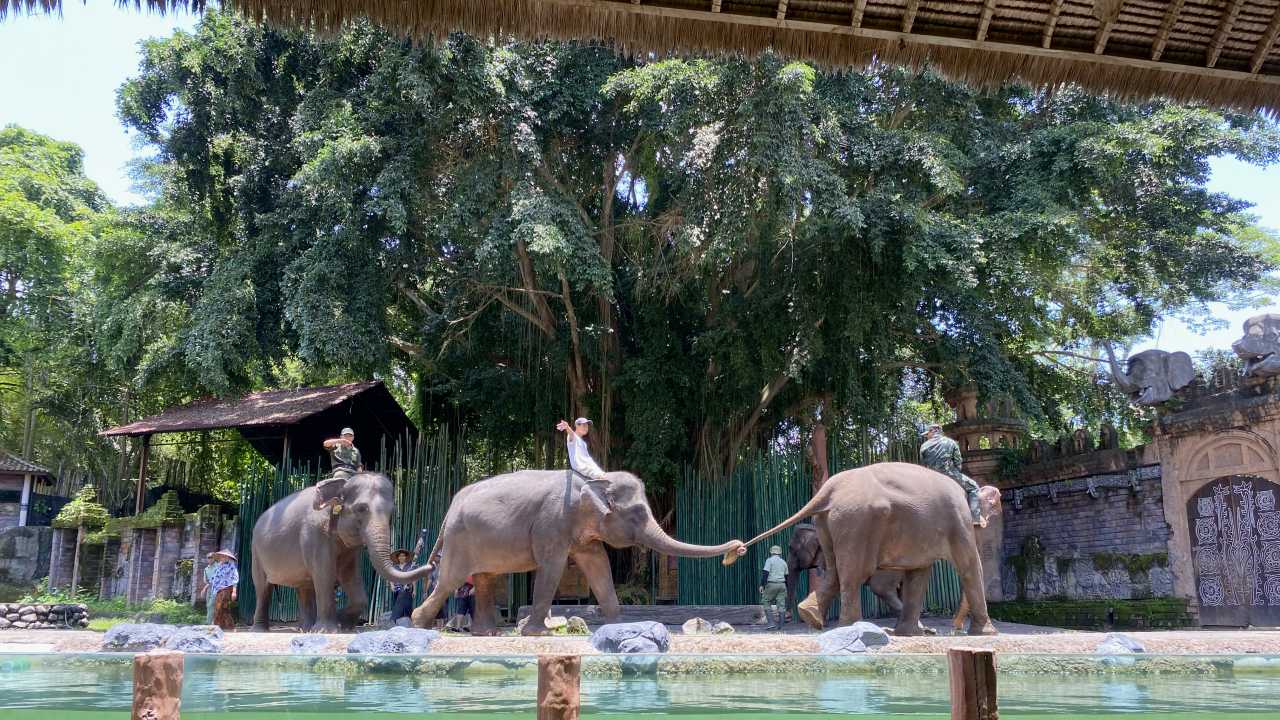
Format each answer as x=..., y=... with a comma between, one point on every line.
x=805, y=552
x=1152, y=375
x=537, y=520
x=311, y=541
x=1260, y=346
x=892, y=516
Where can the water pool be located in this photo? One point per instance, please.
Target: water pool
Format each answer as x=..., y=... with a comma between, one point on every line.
x=93, y=686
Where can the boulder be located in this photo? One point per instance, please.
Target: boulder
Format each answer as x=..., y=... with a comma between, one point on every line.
x=1118, y=644
x=856, y=638
x=396, y=641
x=309, y=644
x=632, y=638
x=29, y=617
x=19, y=625
x=202, y=639
x=83, y=622
x=136, y=637
x=696, y=626
x=25, y=610
x=721, y=627
x=4, y=623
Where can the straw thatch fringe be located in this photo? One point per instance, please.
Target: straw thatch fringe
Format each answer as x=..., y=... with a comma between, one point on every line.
x=640, y=28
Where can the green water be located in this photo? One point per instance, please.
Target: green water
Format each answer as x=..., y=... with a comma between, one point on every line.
x=98, y=687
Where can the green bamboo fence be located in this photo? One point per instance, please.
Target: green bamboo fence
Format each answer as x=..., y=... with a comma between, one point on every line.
x=763, y=491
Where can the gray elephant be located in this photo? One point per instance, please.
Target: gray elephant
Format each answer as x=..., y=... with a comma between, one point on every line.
x=537, y=520
x=893, y=516
x=311, y=541
x=1260, y=346
x=1152, y=376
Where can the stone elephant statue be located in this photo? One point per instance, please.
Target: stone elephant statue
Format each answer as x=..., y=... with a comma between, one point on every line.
x=806, y=551
x=892, y=516
x=1260, y=346
x=537, y=520
x=1152, y=376
x=311, y=541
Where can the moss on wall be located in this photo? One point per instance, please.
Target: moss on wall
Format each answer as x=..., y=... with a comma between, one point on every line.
x=1095, y=614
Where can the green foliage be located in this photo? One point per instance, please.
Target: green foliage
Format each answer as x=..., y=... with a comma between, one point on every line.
x=83, y=511
x=1145, y=614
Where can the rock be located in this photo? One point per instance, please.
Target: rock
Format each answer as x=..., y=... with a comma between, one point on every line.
x=309, y=644
x=83, y=622
x=29, y=618
x=856, y=638
x=396, y=641
x=136, y=637
x=19, y=625
x=42, y=609
x=4, y=623
x=576, y=626
x=632, y=638
x=721, y=627
x=1118, y=644
x=25, y=610
x=696, y=626
x=195, y=639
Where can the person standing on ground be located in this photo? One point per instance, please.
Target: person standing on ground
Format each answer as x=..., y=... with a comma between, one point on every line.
x=402, y=595
x=773, y=587
x=942, y=454
x=580, y=460
x=222, y=588
x=344, y=458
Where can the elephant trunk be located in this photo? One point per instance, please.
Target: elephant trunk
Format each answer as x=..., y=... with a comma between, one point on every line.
x=377, y=541
x=1123, y=381
x=656, y=539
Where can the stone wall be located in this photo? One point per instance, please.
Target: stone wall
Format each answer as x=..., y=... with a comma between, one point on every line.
x=10, y=514
x=1093, y=537
x=24, y=554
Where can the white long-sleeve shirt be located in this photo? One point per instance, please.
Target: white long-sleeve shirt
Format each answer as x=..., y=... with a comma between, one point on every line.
x=580, y=457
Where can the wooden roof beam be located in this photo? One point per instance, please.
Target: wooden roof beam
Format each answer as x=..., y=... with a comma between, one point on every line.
x=1107, y=12
x=909, y=17
x=1055, y=10
x=988, y=9
x=1224, y=29
x=855, y=20
x=1265, y=43
x=1171, y=14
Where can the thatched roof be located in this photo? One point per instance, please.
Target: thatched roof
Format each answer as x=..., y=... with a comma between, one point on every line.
x=1224, y=52
x=10, y=463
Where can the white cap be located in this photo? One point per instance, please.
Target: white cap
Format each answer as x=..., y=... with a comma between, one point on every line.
x=582, y=421
x=346, y=431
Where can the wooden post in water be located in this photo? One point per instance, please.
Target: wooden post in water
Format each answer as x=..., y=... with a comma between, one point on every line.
x=157, y=685
x=973, y=684
x=559, y=687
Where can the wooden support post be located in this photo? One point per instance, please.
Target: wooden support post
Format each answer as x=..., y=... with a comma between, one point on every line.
x=973, y=684
x=75, y=563
x=141, y=497
x=559, y=687
x=157, y=685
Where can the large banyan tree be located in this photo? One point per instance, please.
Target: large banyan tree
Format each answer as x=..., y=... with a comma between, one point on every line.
x=695, y=252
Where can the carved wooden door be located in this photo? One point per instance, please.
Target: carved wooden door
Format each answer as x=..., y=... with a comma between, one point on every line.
x=1235, y=547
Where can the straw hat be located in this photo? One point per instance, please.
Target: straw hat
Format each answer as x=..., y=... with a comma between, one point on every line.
x=398, y=552
x=225, y=553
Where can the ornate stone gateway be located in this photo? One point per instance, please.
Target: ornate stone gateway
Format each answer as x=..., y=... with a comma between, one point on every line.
x=1235, y=544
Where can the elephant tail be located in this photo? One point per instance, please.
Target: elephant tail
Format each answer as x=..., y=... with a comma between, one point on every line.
x=816, y=505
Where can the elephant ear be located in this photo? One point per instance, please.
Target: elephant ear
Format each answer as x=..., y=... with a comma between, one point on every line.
x=596, y=497
x=329, y=492
x=1180, y=369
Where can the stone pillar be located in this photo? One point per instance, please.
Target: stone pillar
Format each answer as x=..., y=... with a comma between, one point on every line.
x=157, y=685
x=25, y=503
x=168, y=553
x=559, y=687
x=55, y=553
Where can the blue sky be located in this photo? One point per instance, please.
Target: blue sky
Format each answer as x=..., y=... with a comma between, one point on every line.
x=64, y=73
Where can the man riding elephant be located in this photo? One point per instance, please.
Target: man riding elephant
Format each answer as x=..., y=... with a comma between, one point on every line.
x=942, y=454
x=344, y=457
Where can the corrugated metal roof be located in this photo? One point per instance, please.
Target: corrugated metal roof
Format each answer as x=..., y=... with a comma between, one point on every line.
x=11, y=463
x=269, y=407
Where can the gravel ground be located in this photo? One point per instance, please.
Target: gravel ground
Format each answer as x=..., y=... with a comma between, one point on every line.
x=1013, y=639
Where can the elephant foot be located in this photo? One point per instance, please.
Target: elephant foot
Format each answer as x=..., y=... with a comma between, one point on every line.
x=532, y=630
x=985, y=628
x=908, y=629
x=810, y=612
x=260, y=627
x=324, y=627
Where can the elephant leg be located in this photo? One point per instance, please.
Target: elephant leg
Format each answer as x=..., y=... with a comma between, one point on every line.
x=353, y=585
x=451, y=577
x=545, y=582
x=914, y=585
x=813, y=610
x=594, y=563
x=962, y=614
x=884, y=584
x=323, y=583
x=964, y=555
x=306, y=608
x=262, y=592
x=484, y=621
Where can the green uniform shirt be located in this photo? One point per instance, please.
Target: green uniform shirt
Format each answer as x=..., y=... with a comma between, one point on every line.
x=776, y=569
x=942, y=454
x=344, y=457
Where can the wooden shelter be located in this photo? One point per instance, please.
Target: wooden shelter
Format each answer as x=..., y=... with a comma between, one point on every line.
x=284, y=424
x=1222, y=52
x=17, y=483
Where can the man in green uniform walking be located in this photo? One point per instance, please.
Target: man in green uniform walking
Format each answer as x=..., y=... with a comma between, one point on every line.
x=773, y=587
x=941, y=453
x=344, y=458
